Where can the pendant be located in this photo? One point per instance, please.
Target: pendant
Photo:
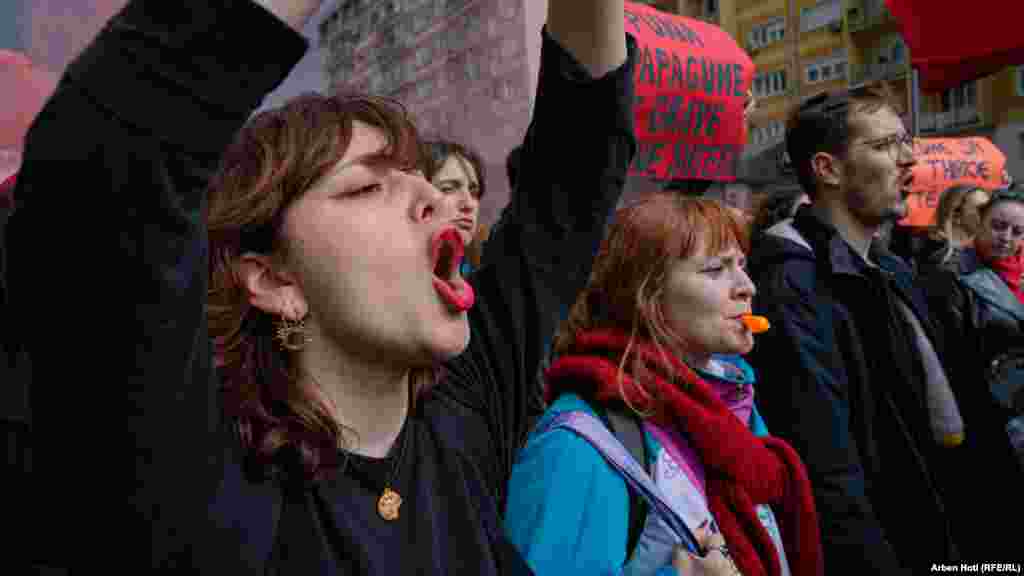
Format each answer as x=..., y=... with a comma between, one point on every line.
x=388, y=504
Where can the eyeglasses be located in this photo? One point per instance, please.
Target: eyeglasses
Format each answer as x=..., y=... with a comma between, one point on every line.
x=894, y=143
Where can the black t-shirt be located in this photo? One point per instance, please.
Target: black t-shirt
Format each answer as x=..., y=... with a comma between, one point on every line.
x=135, y=466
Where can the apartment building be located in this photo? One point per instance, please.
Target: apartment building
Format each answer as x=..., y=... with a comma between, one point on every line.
x=467, y=70
x=801, y=47
x=992, y=106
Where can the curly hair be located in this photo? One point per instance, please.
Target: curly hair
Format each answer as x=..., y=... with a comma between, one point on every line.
x=272, y=162
x=631, y=268
x=950, y=202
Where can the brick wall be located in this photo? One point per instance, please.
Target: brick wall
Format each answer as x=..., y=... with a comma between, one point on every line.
x=59, y=29
x=461, y=68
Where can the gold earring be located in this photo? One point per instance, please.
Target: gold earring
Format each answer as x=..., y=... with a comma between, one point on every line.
x=292, y=334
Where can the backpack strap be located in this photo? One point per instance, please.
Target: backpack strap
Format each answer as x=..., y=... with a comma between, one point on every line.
x=594, y=431
x=626, y=426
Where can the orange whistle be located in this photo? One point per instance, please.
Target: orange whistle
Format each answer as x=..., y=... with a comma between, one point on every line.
x=757, y=324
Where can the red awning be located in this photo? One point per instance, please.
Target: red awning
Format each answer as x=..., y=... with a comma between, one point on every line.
x=952, y=41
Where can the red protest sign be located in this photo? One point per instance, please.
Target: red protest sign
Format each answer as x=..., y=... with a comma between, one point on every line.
x=691, y=85
x=945, y=162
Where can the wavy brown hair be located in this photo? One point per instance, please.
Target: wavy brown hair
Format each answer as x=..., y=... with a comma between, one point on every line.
x=630, y=270
x=951, y=201
x=272, y=162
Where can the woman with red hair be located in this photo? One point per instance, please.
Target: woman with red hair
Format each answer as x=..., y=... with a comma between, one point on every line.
x=655, y=339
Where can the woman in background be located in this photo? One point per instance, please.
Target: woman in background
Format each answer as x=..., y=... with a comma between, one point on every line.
x=980, y=306
x=458, y=172
x=957, y=221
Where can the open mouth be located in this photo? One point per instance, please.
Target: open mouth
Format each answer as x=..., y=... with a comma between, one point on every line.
x=447, y=251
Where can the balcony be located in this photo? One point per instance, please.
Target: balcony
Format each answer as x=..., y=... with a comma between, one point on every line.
x=954, y=120
x=865, y=15
x=753, y=149
x=878, y=71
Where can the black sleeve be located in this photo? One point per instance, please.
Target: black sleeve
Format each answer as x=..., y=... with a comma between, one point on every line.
x=951, y=306
x=948, y=303
x=575, y=156
x=107, y=257
x=803, y=394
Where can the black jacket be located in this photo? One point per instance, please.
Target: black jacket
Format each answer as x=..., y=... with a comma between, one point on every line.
x=931, y=259
x=841, y=380
x=136, y=469
x=977, y=309
x=982, y=319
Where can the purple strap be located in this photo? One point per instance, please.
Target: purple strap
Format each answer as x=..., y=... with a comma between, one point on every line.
x=597, y=434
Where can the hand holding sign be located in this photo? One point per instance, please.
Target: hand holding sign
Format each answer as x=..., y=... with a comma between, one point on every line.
x=692, y=97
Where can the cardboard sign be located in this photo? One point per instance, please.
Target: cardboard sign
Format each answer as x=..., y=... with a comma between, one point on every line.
x=691, y=85
x=946, y=162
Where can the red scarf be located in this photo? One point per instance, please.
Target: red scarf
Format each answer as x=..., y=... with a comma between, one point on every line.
x=1010, y=270
x=741, y=469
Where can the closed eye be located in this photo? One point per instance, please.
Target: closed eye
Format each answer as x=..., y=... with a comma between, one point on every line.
x=886, y=143
x=364, y=190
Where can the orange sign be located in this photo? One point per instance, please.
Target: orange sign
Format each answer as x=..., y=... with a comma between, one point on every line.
x=691, y=84
x=946, y=162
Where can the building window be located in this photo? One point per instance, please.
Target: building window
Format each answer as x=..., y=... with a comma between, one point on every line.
x=827, y=69
x=711, y=8
x=963, y=96
x=767, y=33
x=770, y=83
x=770, y=132
x=820, y=15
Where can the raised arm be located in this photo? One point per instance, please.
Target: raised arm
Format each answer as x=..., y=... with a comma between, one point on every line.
x=573, y=167
x=294, y=13
x=107, y=271
x=593, y=31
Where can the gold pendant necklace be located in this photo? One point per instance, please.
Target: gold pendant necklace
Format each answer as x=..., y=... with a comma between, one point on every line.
x=390, y=500
x=388, y=504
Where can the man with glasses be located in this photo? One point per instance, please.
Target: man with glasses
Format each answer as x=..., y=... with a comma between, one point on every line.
x=852, y=358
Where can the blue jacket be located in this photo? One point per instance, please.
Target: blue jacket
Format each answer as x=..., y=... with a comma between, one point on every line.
x=568, y=509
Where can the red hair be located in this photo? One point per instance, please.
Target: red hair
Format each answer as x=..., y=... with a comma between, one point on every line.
x=631, y=268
